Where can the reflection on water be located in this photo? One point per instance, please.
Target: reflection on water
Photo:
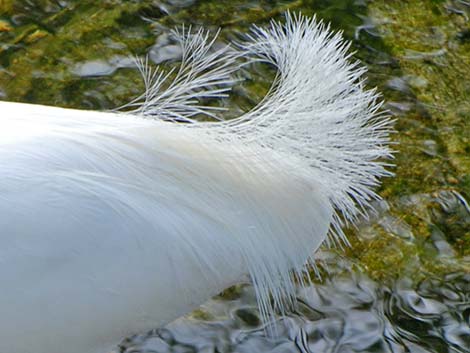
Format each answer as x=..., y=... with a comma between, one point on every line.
x=410, y=287
x=347, y=314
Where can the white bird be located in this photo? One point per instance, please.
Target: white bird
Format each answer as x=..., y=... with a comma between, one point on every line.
x=115, y=223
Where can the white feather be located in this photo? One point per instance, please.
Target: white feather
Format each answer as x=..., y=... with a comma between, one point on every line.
x=203, y=73
x=113, y=223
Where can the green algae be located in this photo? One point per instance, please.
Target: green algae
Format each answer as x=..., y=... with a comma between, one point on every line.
x=423, y=37
x=416, y=53
x=427, y=46
x=6, y=7
x=38, y=62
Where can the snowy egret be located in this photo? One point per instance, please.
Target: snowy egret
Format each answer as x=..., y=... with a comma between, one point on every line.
x=114, y=223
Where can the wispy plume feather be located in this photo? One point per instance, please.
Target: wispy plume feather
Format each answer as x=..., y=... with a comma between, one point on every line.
x=318, y=116
x=320, y=111
x=204, y=73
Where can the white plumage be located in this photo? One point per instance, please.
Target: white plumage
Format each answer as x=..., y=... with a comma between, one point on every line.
x=115, y=223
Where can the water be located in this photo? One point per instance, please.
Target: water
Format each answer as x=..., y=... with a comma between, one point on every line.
x=345, y=314
x=404, y=285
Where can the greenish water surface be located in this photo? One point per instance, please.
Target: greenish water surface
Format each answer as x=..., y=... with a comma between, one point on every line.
x=404, y=284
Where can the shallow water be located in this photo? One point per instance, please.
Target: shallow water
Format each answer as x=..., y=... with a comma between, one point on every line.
x=344, y=314
x=404, y=285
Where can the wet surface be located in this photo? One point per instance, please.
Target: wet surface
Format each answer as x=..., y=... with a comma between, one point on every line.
x=347, y=314
x=404, y=285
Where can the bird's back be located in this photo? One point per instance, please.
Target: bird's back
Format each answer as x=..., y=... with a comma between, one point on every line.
x=112, y=224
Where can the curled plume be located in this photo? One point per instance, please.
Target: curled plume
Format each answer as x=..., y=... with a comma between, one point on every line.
x=318, y=116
